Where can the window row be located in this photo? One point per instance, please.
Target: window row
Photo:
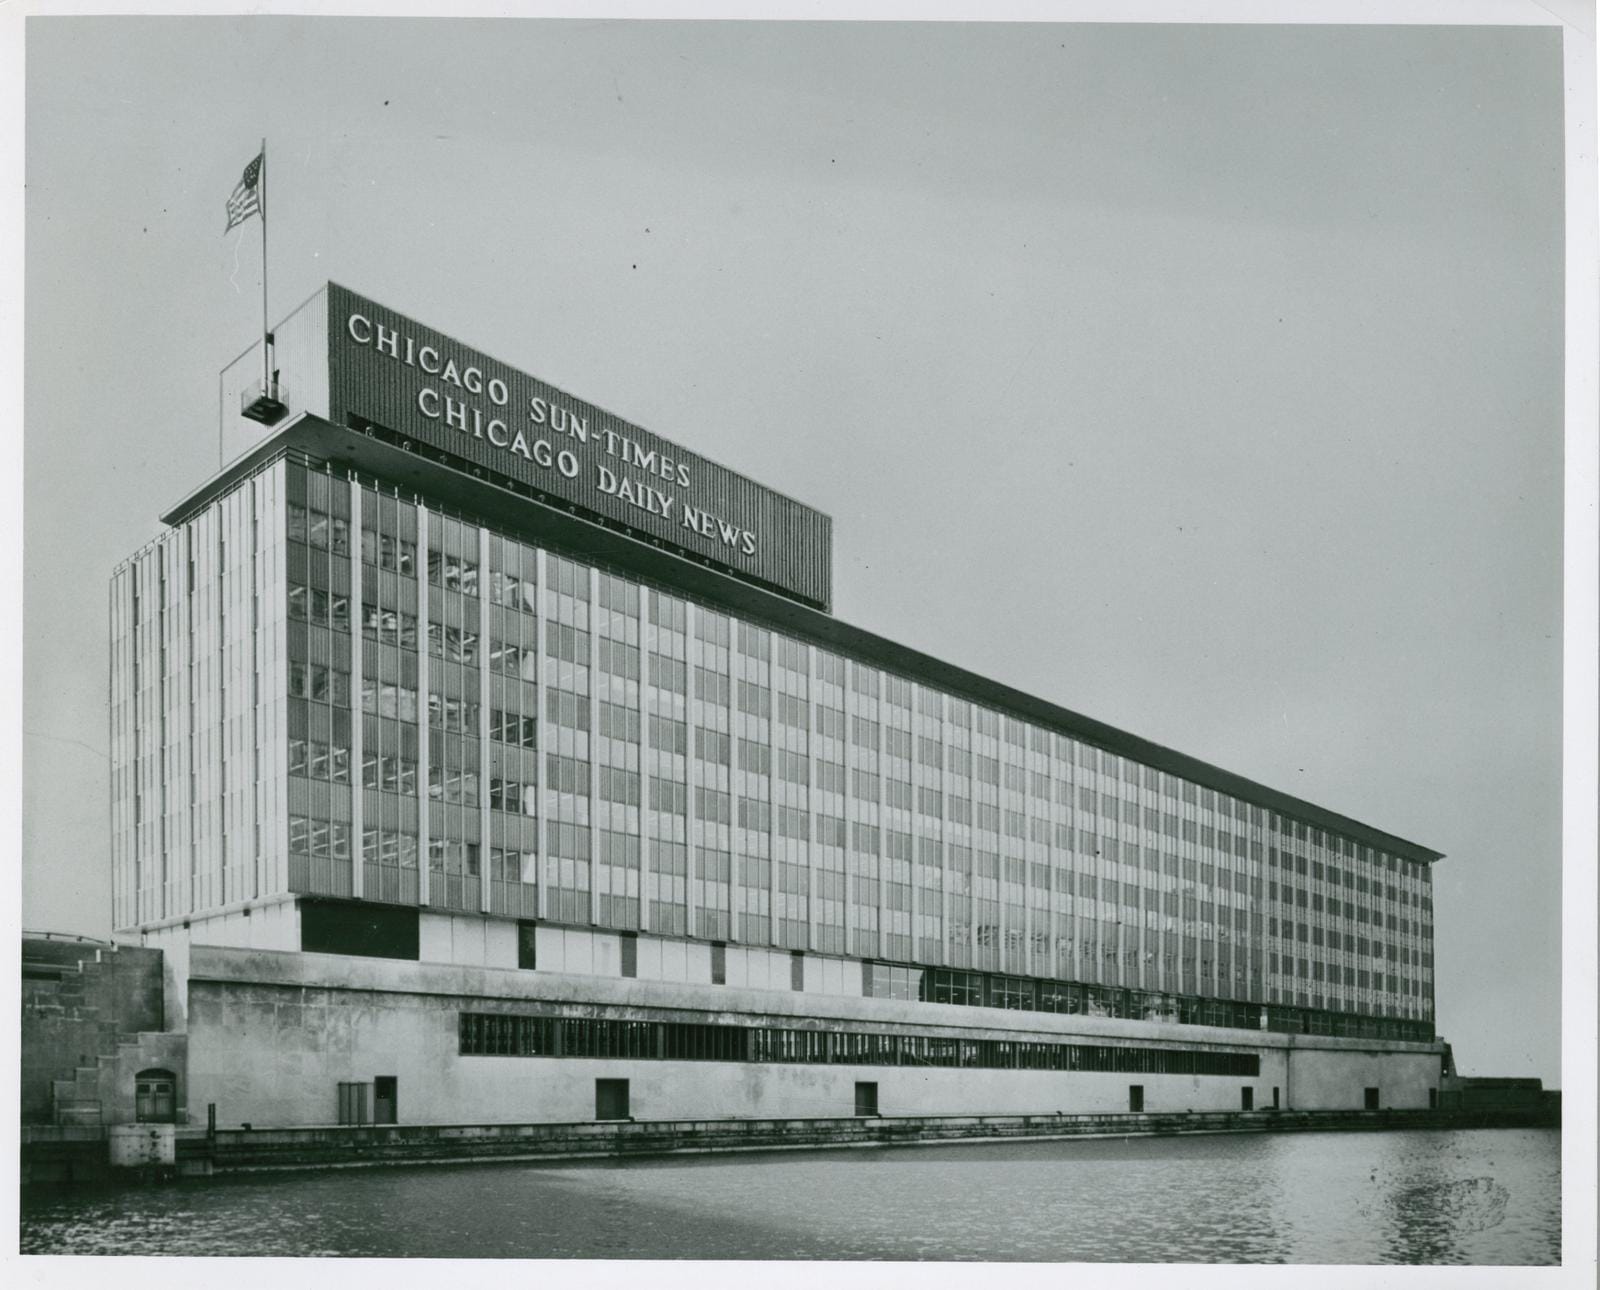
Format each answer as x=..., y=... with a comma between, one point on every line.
x=318, y=530
x=316, y=760
x=384, y=551
x=1031, y=994
x=319, y=608
x=514, y=728
x=498, y=1035
x=322, y=839
x=515, y=798
x=323, y=684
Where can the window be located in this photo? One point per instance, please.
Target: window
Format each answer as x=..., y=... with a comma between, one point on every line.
x=797, y=970
x=527, y=945
x=448, y=713
x=514, y=728
x=322, y=684
x=389, y=626
x=390, y=774
x=719, y=963
x=513, y=797
x=388, y=700
x=452, y=572
x=630, y=954
x=511, y=1035
x=388, y=552
x=518, y=593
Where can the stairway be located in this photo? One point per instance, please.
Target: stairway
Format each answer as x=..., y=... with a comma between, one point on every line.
x=91, y=1021
x=105, y=1085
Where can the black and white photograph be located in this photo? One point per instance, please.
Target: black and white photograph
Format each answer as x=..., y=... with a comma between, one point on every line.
x=758, y=642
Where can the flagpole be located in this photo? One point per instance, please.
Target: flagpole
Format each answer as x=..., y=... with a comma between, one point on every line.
x=267, y=391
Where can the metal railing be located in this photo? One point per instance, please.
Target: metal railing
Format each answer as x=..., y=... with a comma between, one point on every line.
x=68, y=936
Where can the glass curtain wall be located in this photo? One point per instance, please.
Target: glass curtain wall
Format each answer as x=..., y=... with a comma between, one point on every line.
x=321, y=686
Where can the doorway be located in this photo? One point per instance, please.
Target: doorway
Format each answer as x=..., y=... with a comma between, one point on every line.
x=1136, y=1098
x=1371, y=1097
x=867, y=1098
x=1247, y=1098
x=611, y=1099
x=155, y=1097
x=385, y=1100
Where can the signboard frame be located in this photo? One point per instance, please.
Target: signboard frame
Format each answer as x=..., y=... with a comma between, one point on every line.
x=387, y=369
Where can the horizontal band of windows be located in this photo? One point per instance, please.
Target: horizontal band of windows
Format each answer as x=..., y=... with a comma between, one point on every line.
x=499, y=1035
x=1030, y=994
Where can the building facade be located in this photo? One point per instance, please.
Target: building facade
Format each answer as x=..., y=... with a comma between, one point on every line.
x=460, y=721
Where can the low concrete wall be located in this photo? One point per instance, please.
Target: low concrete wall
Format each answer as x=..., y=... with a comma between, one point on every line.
x=275, y=1056
x=273, y=1035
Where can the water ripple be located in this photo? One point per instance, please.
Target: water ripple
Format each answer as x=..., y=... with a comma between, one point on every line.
x=1479, y=1196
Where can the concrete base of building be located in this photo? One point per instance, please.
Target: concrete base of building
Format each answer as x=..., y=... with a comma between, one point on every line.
x=278, y=1038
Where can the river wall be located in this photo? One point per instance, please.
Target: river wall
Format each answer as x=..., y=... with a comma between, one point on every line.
x=79, y=1155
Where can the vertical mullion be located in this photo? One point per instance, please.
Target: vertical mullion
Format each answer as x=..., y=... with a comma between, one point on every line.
x=735, y=848
x=1024, y=956
x=135, y=846
x=424, y=752
x=191, y=778
x=485, y=836
x=846, y=796
x=883, y=820
x=691, y=773
x=594, y=746
x=646, y=834
x=547, y=828
x=221, y=707
x=358, y=732
x=161, y=726
x=1002, y=919
x=1052, y=851
x=811, y=799
x=773, y=939
x=944, y=823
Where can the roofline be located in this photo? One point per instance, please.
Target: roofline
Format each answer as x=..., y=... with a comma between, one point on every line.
x=375, y=452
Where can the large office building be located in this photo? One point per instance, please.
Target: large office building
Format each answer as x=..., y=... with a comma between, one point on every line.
x=478, y=756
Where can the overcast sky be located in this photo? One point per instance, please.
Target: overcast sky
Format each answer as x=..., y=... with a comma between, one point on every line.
x=1205, y=380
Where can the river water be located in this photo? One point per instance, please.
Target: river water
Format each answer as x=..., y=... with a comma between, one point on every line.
x=1427, y=1196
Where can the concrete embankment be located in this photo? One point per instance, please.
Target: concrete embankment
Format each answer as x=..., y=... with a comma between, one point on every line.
x=62, y=1155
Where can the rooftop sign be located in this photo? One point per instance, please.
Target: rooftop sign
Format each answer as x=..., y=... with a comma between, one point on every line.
x=387, y=369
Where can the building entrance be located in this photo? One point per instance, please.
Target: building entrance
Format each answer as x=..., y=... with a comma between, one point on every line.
x=385, y=1100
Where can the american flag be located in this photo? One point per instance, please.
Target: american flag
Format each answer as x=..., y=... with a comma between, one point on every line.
x=245, y=200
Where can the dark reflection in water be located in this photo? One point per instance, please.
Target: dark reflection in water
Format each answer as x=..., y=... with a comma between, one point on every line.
x=1484, y=1196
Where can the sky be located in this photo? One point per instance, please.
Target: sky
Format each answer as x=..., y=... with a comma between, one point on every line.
x=1204, y=380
